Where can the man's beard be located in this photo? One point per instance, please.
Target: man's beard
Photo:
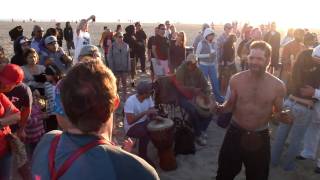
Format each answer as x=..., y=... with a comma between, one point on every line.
x=256, y=69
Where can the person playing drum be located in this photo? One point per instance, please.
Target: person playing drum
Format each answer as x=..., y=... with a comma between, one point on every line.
x=138, y=108
x=191, y=83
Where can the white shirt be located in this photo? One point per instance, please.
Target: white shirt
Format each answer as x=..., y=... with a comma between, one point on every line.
x=80, y=41
x=134, y=106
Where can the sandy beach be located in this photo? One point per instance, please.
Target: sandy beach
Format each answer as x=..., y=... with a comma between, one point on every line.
x=201, y=166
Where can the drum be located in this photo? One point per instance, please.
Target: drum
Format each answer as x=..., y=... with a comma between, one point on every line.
x=161, y=134
x=204, y=109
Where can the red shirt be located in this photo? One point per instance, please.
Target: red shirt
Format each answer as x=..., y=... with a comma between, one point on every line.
x=6, y=107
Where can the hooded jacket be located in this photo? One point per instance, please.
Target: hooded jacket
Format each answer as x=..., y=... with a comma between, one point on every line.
x=18, y=53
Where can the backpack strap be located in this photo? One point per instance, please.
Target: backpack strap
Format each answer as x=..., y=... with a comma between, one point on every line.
x=67, y=164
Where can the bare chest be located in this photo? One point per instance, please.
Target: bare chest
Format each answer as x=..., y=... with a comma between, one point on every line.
x=260, y=94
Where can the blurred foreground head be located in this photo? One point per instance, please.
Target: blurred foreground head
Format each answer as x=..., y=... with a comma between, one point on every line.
x=89, y=96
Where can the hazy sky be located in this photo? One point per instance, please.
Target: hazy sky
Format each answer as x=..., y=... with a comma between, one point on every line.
x=287, y=13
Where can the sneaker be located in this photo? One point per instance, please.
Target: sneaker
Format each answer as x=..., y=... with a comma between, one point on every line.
x=201, y=141
x=300, y=158
x=317, y=170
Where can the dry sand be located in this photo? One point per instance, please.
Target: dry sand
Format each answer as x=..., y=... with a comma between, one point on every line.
x=202, y=165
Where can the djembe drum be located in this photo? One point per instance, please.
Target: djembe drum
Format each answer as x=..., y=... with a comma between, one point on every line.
x=204, y=109
x=161, y=132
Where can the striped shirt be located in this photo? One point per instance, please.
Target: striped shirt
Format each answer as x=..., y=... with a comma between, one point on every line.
x=35, y=128
x=49, y=93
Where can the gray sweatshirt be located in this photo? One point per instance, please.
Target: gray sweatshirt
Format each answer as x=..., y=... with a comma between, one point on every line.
x=119, y=57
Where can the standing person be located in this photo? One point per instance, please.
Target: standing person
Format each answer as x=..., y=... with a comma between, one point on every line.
x=120, y=62
x=33, y=72
x=60, y=34
x=140, y=49
x=9, y=115
x=199, y=37
x=160, y=50
x=151, y=56
x=173, y=34
x=273, y=38
x=53, y=54
x=289, y=37
x=118, y=28
x=106, y=42
x=241, y=51
x=35, y=128
x=167, y=33
x=20, y=46
x=221, y=40
x=19, y=94
x=207, y=54
x=81, y=36
x=68, y=36
x=38, y=34
x=311, y=139
x=305, y=72
x=138, y=108
x=49, y=32
x=255, y=95
x=290, y=52
x=228, y=65
x=130, y=39
x=177, y=52
x=53, y=76
x=91, y=126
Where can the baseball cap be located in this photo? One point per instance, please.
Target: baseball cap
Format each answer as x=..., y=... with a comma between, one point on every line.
x=144, y=87
x=89, y=50
x=192, y=58
x=50, y=39
x=167, y=22
x=11, y=74
x=24, y=40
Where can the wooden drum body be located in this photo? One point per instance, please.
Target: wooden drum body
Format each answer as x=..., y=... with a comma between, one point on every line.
x=162, y=135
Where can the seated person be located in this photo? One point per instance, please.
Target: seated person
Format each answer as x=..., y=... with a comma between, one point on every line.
x=138, y=109
x=190, y=83
x=53, y=54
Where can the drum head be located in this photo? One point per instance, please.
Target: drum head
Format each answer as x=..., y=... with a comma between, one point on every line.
x=160, y=123
x=200, y=102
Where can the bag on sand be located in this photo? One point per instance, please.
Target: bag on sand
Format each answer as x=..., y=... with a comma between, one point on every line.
x=184, y=137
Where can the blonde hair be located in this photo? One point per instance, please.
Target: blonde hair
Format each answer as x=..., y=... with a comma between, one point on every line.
x=183, y=38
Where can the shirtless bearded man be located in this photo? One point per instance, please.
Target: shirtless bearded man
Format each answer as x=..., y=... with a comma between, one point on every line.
x=255, y=96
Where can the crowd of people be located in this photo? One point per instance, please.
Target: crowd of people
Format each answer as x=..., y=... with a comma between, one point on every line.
x=57, y=107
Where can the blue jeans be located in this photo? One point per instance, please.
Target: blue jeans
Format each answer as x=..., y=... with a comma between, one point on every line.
x=302, y=118
x=200, y=124
x=5, y=163
x=211, y=72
